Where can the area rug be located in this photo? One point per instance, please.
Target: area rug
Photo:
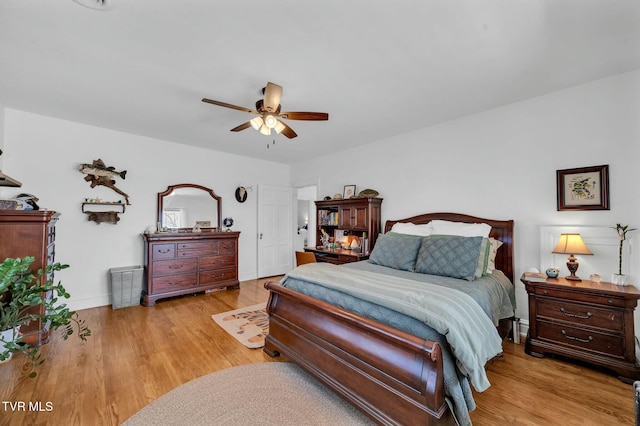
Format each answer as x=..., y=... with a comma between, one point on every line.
x=270, y=393
x=249, y=325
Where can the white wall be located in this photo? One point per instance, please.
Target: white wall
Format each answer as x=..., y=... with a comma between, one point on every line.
x=44, y=153
x=501, y=164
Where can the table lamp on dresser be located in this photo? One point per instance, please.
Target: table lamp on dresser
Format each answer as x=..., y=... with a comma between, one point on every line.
x=572, y=244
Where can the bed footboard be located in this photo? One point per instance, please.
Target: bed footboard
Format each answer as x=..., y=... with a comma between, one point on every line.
x=392, y=376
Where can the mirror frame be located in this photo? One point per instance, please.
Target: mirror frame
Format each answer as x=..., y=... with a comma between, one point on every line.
x=171, y=188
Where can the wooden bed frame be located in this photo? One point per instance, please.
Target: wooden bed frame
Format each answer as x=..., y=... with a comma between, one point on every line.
x=392, y=376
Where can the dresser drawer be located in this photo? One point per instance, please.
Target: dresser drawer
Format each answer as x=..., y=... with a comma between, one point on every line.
x=581, y=315
x=227, y=246
x=582, y=296
x=177, y=266
x=197, y=249
x=590, y=340
x=212, y=277
x=211, y=246
x=174, y=282
x=163, y=251
x=217, y=262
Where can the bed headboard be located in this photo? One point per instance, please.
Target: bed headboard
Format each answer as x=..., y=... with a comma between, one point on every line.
x=500, y=230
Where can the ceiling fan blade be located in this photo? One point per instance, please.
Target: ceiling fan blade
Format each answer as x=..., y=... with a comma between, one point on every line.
x=313, y=116
x=226, y=105
x=272, y=96
x=241, y=127
x=287, y=131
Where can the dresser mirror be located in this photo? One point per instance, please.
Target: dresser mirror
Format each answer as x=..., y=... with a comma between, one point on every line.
x=186, y=206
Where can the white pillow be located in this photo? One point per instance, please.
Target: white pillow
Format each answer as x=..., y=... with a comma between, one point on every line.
x=445, y=227
x=493, y=250
x=412, y=229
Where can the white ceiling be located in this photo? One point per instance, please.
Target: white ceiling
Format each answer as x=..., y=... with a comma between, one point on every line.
x=378, y=68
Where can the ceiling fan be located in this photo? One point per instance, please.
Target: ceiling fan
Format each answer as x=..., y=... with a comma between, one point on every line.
x=268, y=112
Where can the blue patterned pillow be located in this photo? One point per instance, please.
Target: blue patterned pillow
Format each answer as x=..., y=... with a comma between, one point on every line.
x=449, y=256
x=396, y=252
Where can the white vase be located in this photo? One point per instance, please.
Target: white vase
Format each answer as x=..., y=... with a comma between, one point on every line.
x=5, y=337
x=619, y=279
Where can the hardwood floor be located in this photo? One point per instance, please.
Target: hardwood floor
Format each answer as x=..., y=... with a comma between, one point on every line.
x=137, y=354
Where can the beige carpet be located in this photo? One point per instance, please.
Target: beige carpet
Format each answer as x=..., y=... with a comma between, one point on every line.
x=270, y=393
x=249, y=325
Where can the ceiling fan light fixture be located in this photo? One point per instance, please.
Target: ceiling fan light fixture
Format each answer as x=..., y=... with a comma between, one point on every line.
x=256, y=123
x=279, y=127
x=270, y=121
x=265, y=130
x=268, y=110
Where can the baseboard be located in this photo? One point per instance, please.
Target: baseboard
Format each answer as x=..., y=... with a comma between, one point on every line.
x=93, y=302
x=523, y=330
x=247, y=276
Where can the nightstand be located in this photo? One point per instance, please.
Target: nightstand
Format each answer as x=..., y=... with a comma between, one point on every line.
x=583, y=320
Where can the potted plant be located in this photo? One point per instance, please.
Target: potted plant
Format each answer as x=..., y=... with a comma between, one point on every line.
x=20, y=290
x=620, y=278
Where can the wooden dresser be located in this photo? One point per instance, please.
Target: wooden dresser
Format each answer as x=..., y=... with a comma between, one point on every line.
x=584, y=320
x=184, y=263
x=30, y=233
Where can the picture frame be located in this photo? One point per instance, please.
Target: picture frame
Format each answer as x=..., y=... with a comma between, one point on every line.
x=349, y=191
x=583, y=188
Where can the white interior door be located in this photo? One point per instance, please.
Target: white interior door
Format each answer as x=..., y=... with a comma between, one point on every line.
x=275, y=230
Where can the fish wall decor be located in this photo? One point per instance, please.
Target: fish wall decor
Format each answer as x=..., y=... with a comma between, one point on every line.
x=99, y=174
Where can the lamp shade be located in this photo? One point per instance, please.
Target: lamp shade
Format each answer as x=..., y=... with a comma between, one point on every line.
x=270, y=121
x=571, y=244
x=279, y=127
x=265, y=130
x=256, y=122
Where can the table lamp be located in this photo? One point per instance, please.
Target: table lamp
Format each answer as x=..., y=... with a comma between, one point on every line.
x=571, y=244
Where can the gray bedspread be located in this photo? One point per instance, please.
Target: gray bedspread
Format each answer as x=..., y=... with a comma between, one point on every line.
x=494, y=295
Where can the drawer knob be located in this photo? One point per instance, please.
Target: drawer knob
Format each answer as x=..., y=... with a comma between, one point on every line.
x=569, y=314
x=589, y=340
x=164, y=251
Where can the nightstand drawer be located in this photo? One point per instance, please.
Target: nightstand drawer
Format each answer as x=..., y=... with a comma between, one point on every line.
x=590, y=340
x=603, y=300
x=581, y=315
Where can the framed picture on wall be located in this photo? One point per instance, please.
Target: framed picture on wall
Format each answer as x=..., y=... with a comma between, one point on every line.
x=584, y=188
x=349, y=191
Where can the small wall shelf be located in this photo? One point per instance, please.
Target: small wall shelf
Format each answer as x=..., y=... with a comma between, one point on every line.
x=102, y=203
